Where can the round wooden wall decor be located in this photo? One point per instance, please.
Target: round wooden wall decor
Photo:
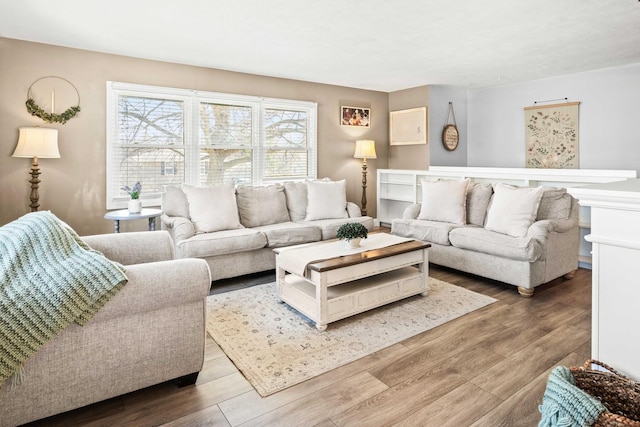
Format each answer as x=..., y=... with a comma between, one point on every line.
x=450, y=137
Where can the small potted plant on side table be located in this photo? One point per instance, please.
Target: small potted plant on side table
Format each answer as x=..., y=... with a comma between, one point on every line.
x=134, y=205
x=352, y=233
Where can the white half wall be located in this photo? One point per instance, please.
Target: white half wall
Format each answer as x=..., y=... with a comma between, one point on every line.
x=609, y=116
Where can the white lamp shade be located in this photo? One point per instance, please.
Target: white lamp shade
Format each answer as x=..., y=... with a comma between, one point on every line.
x=37, y=142
x=365, y=149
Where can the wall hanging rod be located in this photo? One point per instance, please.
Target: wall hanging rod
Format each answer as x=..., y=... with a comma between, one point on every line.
x=552, y=100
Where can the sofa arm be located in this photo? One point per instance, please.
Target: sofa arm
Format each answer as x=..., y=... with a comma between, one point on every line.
x=179, y=227
x=540, y=230
x=156, y=285
x=133, y=248
x=411, y=212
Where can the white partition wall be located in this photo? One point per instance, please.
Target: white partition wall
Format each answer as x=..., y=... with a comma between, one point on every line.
x=399, y=188
x=615, y=236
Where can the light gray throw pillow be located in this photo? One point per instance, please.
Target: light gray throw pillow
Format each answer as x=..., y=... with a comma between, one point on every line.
x=262, y=205
x=555, y=204
x=296, y=193
x=478, y=198
x=174, y=202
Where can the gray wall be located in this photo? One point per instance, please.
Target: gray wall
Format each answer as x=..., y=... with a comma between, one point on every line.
x=439, y=98
x=609, y=116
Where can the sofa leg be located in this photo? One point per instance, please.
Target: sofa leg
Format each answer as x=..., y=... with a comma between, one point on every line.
x=570, y=275
x=186, y=380
x=525, y=292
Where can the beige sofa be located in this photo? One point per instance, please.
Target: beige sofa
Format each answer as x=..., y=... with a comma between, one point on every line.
x=151, y=331
x=235, y=229
x=521, y=236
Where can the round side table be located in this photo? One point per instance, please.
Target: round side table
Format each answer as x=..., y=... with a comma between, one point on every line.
x=125, y=215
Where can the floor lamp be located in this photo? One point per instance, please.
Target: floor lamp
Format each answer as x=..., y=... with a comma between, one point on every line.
x=365, y=149
x=37, y=142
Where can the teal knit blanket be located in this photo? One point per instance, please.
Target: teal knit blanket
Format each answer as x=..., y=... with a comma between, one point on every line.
x=48, y=278
x=566, y=405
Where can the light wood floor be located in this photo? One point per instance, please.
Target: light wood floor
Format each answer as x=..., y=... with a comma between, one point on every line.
x=488, y=368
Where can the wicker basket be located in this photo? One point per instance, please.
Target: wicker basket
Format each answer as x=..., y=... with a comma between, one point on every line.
x=619, y=394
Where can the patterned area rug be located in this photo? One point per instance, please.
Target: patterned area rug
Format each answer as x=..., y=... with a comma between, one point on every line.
x=276, y=347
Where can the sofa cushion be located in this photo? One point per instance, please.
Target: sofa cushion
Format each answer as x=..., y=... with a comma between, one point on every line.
x=326, y=200
x=261, y=205
x=444, y=201
x=427, y=231
x=329, y=227
x=554, y=204
x=296, y=194
x=289, y=233
x=513, y=209
x=221, y=243
x=479, y=239
x=212, y=208
x=174, y=202
x=478, y=198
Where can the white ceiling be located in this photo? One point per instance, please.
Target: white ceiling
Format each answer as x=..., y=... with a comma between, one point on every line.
x=383, y=45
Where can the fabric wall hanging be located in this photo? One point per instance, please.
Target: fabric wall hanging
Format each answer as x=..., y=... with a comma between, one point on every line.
x=551, y=136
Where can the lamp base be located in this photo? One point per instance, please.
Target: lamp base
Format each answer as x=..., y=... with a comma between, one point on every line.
x=363, y=202
x=35, y=181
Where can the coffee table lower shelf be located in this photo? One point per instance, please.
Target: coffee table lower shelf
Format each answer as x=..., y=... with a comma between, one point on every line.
x=354, y=297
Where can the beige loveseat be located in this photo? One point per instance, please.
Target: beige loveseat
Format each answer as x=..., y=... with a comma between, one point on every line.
x=235, y=229
x=151, y=331
x=521, y=236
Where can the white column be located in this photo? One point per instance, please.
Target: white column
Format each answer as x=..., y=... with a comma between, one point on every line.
x=615, y=238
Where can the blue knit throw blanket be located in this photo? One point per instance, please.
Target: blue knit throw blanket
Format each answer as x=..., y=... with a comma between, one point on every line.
x=48, y=278
x=565, y=405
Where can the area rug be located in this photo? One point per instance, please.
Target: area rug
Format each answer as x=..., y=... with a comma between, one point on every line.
x=275, y=347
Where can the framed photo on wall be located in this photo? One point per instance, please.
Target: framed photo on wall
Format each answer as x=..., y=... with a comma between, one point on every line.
x=355, y=116
x=408, y=127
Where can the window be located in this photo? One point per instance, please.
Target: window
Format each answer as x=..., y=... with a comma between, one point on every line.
x=168, y=168
x=164, y=136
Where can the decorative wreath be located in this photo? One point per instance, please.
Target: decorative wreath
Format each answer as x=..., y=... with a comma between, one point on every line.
x=63, y=117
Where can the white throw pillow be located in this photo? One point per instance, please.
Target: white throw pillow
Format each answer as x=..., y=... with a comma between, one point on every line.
x=444, y=201
x=326, y=200
x=212, y=208
x=513, y=209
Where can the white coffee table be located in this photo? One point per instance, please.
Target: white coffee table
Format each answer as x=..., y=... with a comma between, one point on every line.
x=340, y=287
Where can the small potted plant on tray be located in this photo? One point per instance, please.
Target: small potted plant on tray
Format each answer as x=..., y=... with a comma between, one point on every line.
x=352, y=233
x=135, y=205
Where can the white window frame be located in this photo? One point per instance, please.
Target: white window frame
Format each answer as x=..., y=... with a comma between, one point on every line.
x=191, y=100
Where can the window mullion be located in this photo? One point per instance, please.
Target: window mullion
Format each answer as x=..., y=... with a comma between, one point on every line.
x=258, y=144
x=192, y=141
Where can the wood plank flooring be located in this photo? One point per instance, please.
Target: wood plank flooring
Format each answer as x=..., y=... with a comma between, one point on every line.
x=488, y=368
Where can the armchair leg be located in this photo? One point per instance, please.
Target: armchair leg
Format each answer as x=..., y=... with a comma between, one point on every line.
x=186, y=380
x=525, y=292
x=570, y=275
